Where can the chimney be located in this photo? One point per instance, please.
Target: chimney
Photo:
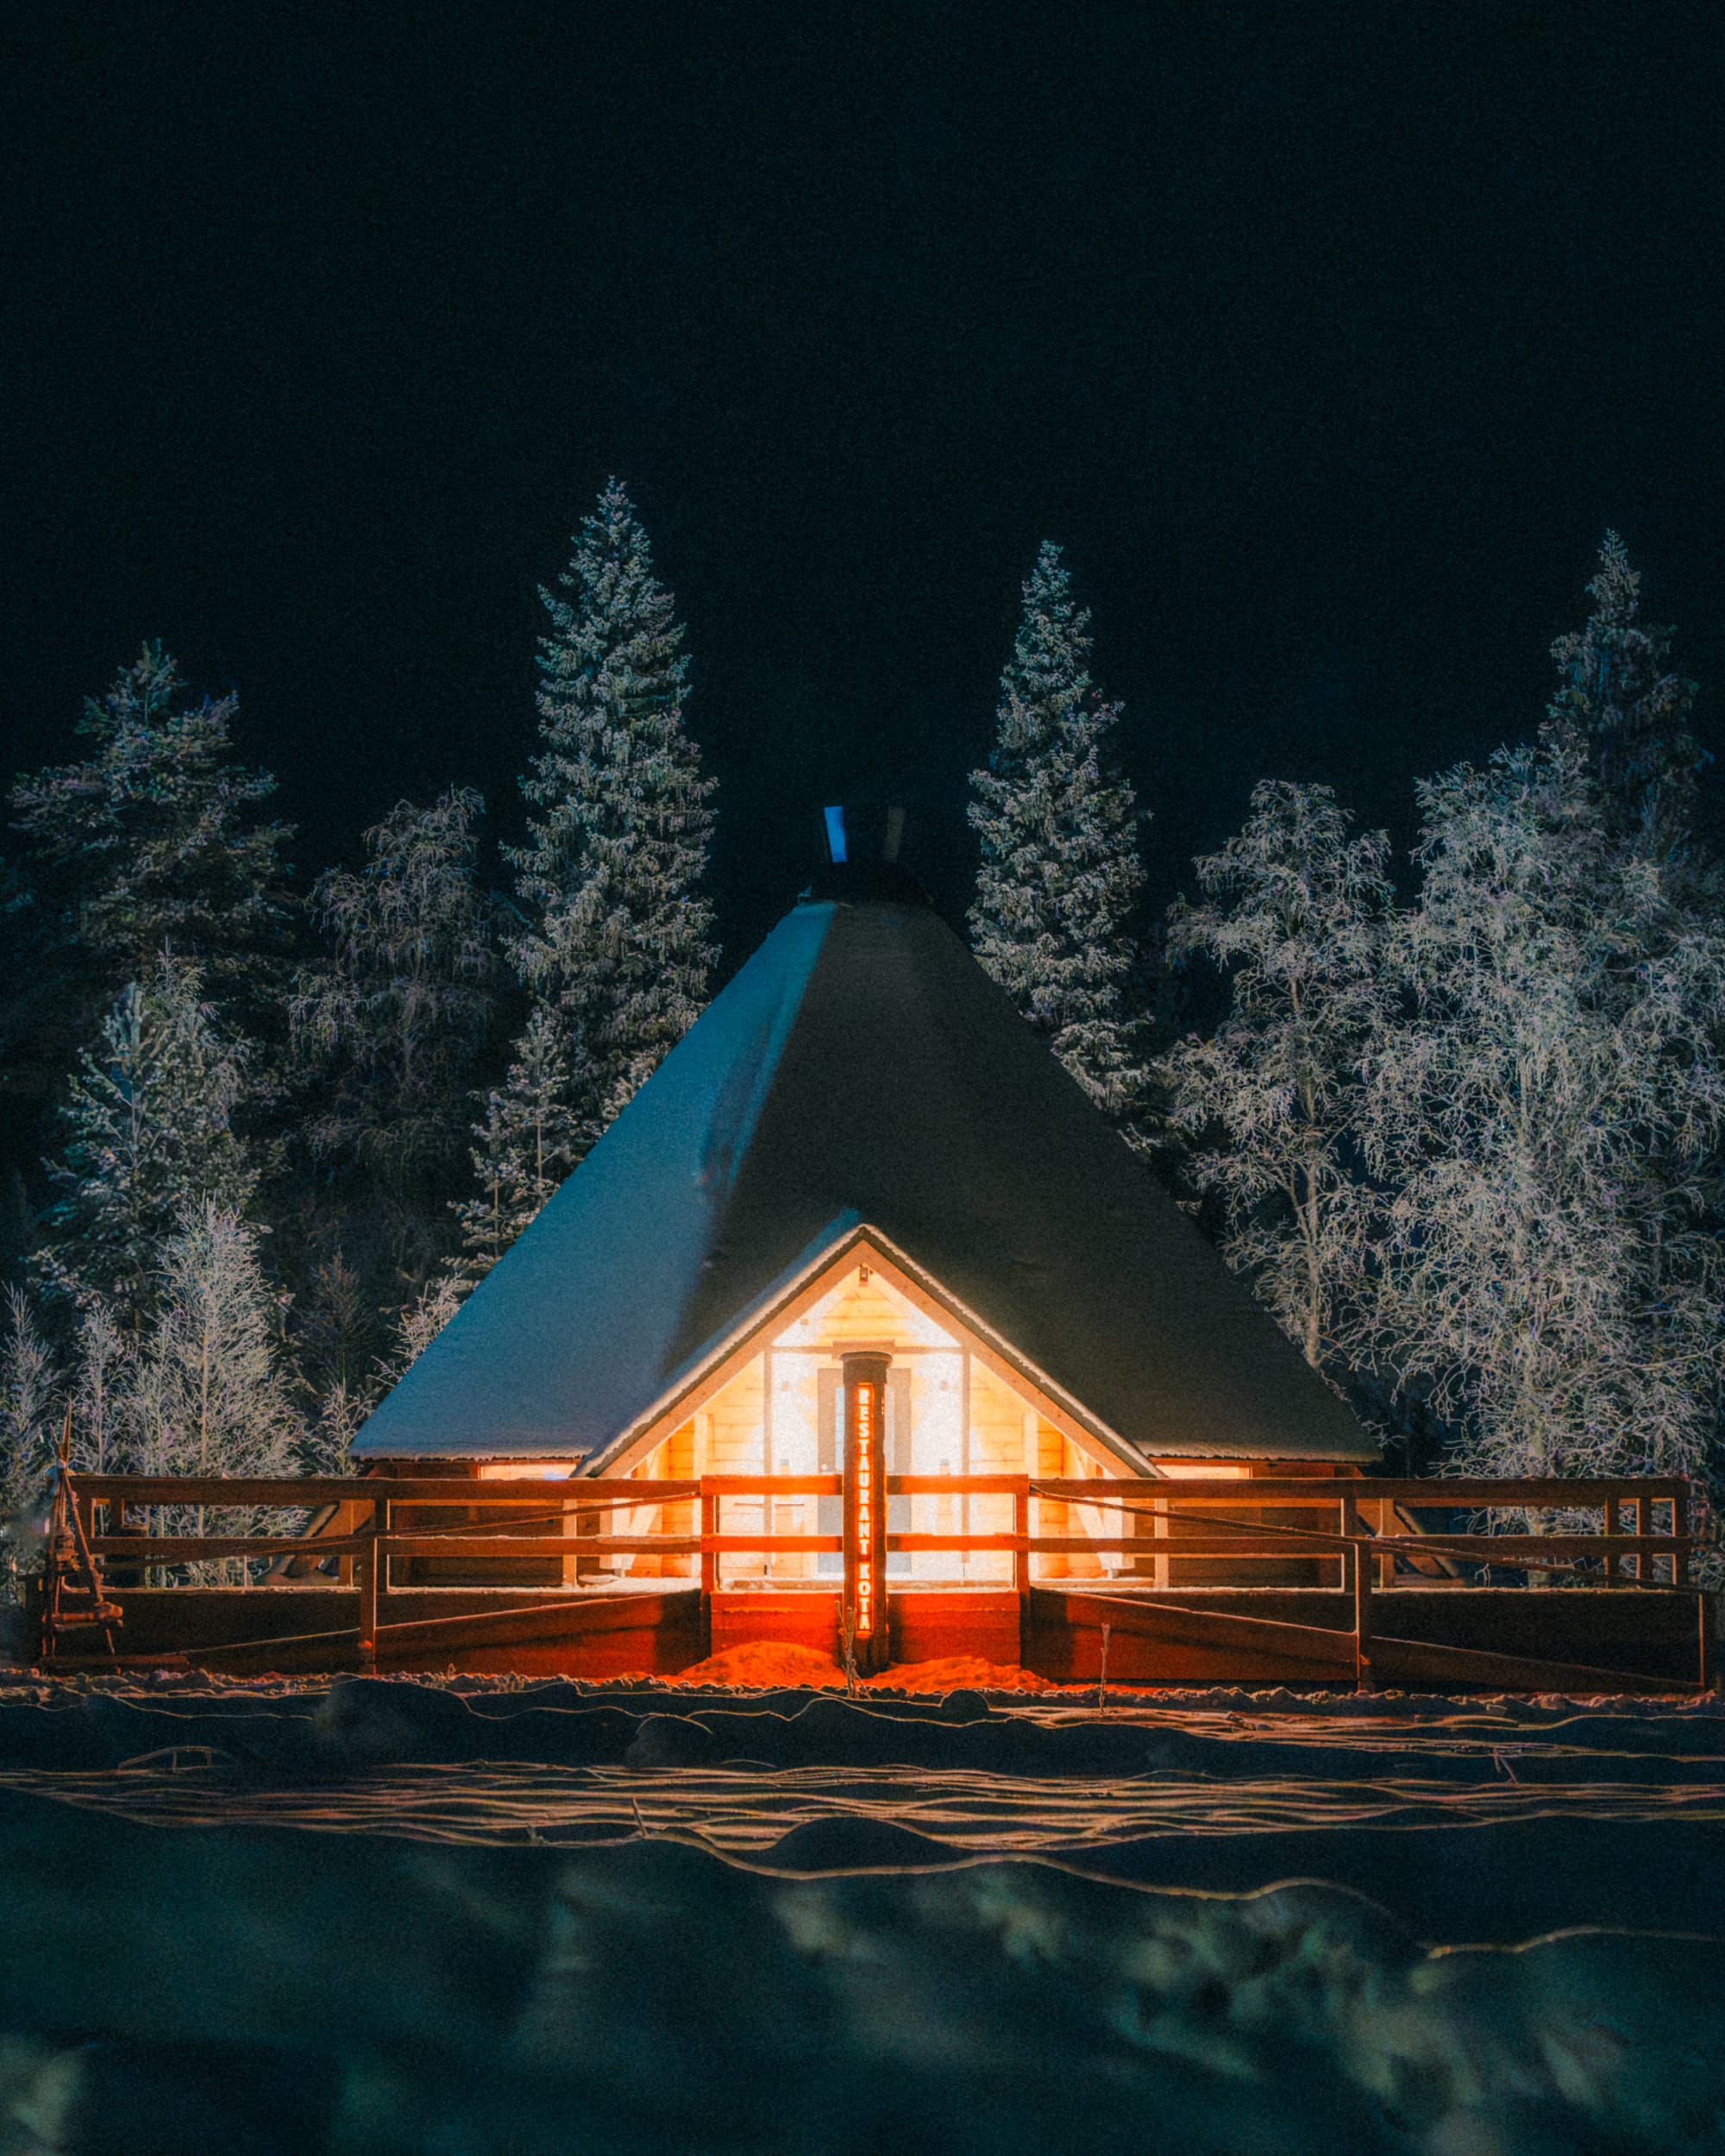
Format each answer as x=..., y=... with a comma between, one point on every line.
x=863, y=839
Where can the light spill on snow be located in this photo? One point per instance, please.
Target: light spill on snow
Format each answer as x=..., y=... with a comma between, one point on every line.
x=742, y=1811
x=546, y=1920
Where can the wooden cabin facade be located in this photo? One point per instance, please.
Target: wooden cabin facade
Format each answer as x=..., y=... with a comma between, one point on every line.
x=860, y=1152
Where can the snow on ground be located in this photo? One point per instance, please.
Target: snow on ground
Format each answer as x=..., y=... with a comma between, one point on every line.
x=768, y=1663
x=402, y=1918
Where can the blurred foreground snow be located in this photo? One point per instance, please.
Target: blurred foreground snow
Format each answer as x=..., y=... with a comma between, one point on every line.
x=269, y=1979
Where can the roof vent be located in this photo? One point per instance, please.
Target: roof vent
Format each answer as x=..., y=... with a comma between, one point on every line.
x=863, y=839
x=858, y=832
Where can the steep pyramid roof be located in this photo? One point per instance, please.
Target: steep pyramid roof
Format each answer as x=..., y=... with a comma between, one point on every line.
x=860, y=1071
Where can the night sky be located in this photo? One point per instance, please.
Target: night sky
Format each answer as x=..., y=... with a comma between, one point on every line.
x=1327, y=339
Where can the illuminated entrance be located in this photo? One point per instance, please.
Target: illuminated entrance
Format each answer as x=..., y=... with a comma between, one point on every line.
x=937, y=1402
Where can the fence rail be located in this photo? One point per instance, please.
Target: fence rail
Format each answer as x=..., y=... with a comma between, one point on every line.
x=1369, y=1535
x=1181, y=1517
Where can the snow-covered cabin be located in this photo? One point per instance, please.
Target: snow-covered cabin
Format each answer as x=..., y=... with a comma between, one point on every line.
x=861, y=1145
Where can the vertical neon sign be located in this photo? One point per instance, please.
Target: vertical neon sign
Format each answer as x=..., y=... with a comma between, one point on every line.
x=865, y=1507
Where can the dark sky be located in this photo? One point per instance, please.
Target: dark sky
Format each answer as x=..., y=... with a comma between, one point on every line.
x=1326, y=338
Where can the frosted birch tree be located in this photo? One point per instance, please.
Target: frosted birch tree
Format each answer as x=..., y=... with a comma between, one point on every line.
x=208, y=1393
x=1295, y=911
x=79, y=1395
x=619, y=942
x=425, y=1318
x=212, y=1396
x=1544, y=1112
x=101, y=1358
x=1060, y=874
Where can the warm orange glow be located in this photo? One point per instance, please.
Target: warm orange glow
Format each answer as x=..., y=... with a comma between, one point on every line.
x=527, y=1471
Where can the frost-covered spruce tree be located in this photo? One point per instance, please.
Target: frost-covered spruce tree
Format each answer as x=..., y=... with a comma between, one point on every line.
x=149, y=1131
x=391, y=1022
x=1543, y=1112
x=1619, y=694
x=1060, y=872
x=336, y=1333
x=1295, y=909
x=334, y=1327
x=529, y=1141
x=620, y=941
x=152, y=840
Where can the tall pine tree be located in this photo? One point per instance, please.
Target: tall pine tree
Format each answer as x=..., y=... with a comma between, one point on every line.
x=391, y=1022
x=149, y=1134
x=152, y=840
x=530, y=1139
x=1621, y=698
x=1060, y=872
x=620, y=941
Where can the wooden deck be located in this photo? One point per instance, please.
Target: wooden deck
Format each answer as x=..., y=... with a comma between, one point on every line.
x=1381, y=1598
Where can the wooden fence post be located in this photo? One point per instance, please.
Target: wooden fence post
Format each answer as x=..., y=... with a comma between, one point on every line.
x=1386, y=1561
x=1360, y=1560
x=709, y=1564
x=372, y=1568
x=1021, y=1559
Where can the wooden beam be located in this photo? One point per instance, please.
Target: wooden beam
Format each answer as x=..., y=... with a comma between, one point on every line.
x=772, y=1485
x=1310, y=1650
x=308, y=1492
x=1424, y=1662
x=1395, y=1661
x=1321, y=1494
x=1520, y=1551
x=572, y=1618
x=962, y=1485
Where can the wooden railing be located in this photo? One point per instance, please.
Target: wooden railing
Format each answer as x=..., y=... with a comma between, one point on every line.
x=1364, y=1533
x=1178, y=1518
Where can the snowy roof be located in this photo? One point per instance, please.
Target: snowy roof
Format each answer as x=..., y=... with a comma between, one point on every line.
x=861, y=1072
